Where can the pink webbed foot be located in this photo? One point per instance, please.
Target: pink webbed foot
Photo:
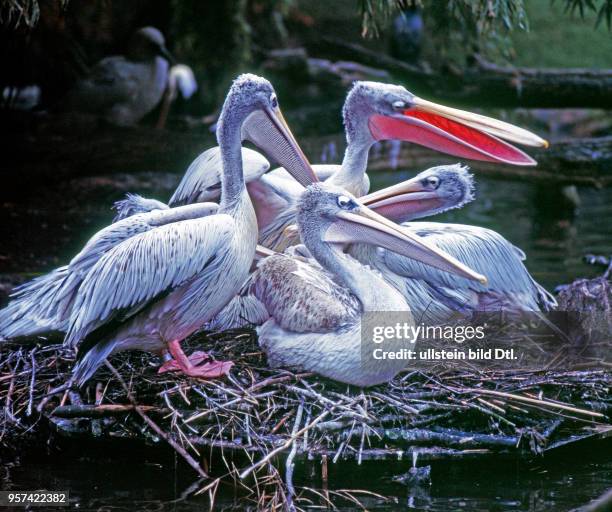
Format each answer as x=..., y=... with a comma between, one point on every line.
x=198, y=357
x=198, y=365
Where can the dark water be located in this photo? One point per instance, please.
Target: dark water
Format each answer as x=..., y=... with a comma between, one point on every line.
x=134, y=480
x=45, y=229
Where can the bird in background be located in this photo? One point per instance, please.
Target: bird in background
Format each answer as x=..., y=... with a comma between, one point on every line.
x=122, y=89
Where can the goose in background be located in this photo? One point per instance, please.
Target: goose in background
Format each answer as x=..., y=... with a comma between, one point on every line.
x=181, y=80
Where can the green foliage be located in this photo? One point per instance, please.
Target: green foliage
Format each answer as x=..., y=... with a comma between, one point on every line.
x=476, y=25
x=215, y=38
x=603, y=10
x=377, y=12
x=558, y=39
x=461, y=27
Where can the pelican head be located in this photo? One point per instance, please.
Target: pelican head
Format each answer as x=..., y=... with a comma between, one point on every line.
x=252, y=102
x=147, y=43
x=383, y=111
x=331, y=216
x=433, y=191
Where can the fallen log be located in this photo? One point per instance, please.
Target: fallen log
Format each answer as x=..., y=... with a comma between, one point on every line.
x=485, y=83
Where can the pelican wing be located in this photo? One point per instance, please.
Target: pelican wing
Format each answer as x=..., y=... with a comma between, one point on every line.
x=484, y=251
x=45, y=303
x=116, y=233
x=244, y=310
x=145, y=267
x=29, y=311
x=203, y=177
x=301, y=297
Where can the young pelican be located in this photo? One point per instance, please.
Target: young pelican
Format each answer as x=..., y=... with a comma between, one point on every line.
x=316, y=311
x=123, y=89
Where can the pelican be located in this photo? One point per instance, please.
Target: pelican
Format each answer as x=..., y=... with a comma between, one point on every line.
x=177, y=276
x=316, y=311
x=435, y=295
x=44, y=304
x=438, y=296
x=123, y=89
x=162, y=282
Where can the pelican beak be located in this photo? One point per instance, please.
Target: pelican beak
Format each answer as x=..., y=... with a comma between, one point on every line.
x=365, y=226
x=269, y=131
x=411, y=186
x=406, y=200
x=456, y=132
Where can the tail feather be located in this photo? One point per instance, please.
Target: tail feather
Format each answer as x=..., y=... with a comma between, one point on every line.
x=91, y=361
x=14, y=324
x=546, y=300
x=32, y=308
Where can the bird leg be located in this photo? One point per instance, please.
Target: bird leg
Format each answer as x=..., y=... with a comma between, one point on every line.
x=198, y=365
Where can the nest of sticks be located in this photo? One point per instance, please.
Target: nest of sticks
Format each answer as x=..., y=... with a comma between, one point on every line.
x=258, y=416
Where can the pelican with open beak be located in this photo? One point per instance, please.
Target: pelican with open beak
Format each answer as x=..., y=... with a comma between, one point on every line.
x=453, y=131
x=376, y=111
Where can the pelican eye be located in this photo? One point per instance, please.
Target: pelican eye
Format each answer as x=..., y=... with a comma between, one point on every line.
x=431, y=182
x=274, y=101
x=344, y=202
x=399, y=105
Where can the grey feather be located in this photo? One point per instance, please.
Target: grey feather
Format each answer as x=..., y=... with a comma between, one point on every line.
x=302, y=297
x=484, y=251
